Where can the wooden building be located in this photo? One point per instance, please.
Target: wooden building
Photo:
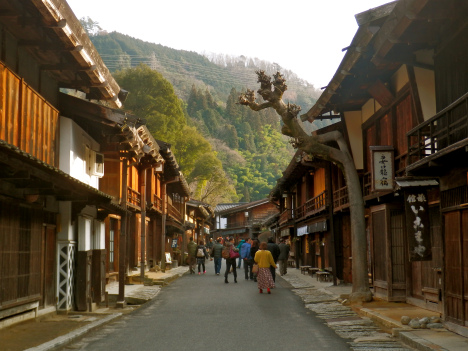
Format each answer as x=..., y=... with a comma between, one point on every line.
x=401, y=91
x=306, y=219
x=244, y=220
x=49, y=210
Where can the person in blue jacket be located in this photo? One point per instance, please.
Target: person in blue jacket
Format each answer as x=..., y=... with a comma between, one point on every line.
x=238, y=248
x=247, y=258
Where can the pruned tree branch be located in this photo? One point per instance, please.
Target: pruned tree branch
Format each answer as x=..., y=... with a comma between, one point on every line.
x=272, y=90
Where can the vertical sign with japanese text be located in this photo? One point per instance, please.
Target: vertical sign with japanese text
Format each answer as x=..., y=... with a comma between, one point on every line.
x=382, y=168
x=417, y=225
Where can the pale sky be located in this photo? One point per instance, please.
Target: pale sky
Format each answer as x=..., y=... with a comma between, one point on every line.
x=304, y=36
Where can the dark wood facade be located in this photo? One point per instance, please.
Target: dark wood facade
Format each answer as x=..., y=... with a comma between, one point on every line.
x=246, y=220
x=409, y=92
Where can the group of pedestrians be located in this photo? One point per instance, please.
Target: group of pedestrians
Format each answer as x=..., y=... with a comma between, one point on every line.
x=197, y=255
x=260, y=259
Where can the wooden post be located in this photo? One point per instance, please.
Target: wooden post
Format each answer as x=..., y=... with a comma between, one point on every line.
x=331, y=251
x=143, y=222
x=163, y=227
x=123, y=235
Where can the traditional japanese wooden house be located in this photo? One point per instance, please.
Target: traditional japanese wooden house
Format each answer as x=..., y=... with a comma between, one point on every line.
x=174, y=194
x=199, y=215
x=245, y=220
x=401, y=91
x=49, y=209
x=303, y=196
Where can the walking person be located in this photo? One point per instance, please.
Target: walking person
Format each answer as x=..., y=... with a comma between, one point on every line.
x=209, y=248
x=253, y=251
x=192, y=251
x=283, y=256
x=264, y=259
x=275, y=251
x=230, y=262
x=201, y=255
x=216, y=253
x=248, y=261
x=238, y=247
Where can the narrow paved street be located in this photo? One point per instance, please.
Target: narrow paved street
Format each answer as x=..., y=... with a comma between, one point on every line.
x=201, y=312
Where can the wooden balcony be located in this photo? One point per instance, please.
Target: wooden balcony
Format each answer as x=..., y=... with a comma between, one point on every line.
x=174, y=212
x=454, y=197
x=340, y=199
x=133, y=198
x=156, y=203
x=445, y=131
x=312, y=206
x=237, y=224
x=286, y=216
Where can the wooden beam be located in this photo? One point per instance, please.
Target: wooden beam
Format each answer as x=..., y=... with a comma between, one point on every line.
x=66, y=67
x=48, y=46
x=16, y=175
x=415, y=94
x=381, y=94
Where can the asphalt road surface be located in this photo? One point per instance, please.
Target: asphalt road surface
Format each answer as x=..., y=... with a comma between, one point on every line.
x=201, y=312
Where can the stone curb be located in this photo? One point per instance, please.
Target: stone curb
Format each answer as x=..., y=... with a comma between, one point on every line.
x=418, y=343
x=61, y=340
x=64, y=339
x=380, y=319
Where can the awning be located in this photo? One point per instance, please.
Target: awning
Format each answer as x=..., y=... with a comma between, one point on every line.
x=302, y=231
x=407, y=183
x=317, y=227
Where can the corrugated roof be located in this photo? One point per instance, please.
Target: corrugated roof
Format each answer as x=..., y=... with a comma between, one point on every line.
x=223, y=207
x=19, y=154
x=416, y=182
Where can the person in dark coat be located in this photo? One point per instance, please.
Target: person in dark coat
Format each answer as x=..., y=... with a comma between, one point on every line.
x=216, y=253
x=192, y=252
x=253, y=251
x=230, y=262
x=275, y=252
x=201, y=256
x=283, y=257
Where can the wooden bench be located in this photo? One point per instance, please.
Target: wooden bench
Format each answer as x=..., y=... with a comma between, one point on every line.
x=324, y=276
x=304, y=269
x=313, y=270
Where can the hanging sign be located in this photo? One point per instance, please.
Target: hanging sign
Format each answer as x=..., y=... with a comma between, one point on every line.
x=382, y=168
x=417, y=225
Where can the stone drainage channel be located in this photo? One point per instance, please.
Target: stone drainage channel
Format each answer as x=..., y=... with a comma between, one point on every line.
x=362, y=333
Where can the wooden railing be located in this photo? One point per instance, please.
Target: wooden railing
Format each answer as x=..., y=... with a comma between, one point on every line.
x=243, y=223
x=444, y=129
x=312, y=206
x=340, y=198
x=174, y=212
x=156, y=203
x=454, y=197
x=133, y=197
x=285, y=216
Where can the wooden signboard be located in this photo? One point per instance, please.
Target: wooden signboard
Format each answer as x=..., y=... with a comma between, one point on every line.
x=382, y=168
x=417, y=225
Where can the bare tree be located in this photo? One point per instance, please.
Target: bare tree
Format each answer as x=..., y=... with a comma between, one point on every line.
x=319, y=146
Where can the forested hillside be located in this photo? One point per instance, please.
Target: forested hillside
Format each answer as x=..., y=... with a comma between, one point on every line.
x=226, y=151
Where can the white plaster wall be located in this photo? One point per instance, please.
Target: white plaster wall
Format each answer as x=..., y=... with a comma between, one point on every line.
x=84, y=233
x=368, y=109
x=353, y=125
x=66, y=230
x=73, y=142
x=425, y=81
x=399, y=79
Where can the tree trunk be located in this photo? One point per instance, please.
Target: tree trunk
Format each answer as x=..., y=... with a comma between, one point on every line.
x=319, y=146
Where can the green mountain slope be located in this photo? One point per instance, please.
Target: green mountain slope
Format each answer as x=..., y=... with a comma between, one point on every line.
x=249, y=144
